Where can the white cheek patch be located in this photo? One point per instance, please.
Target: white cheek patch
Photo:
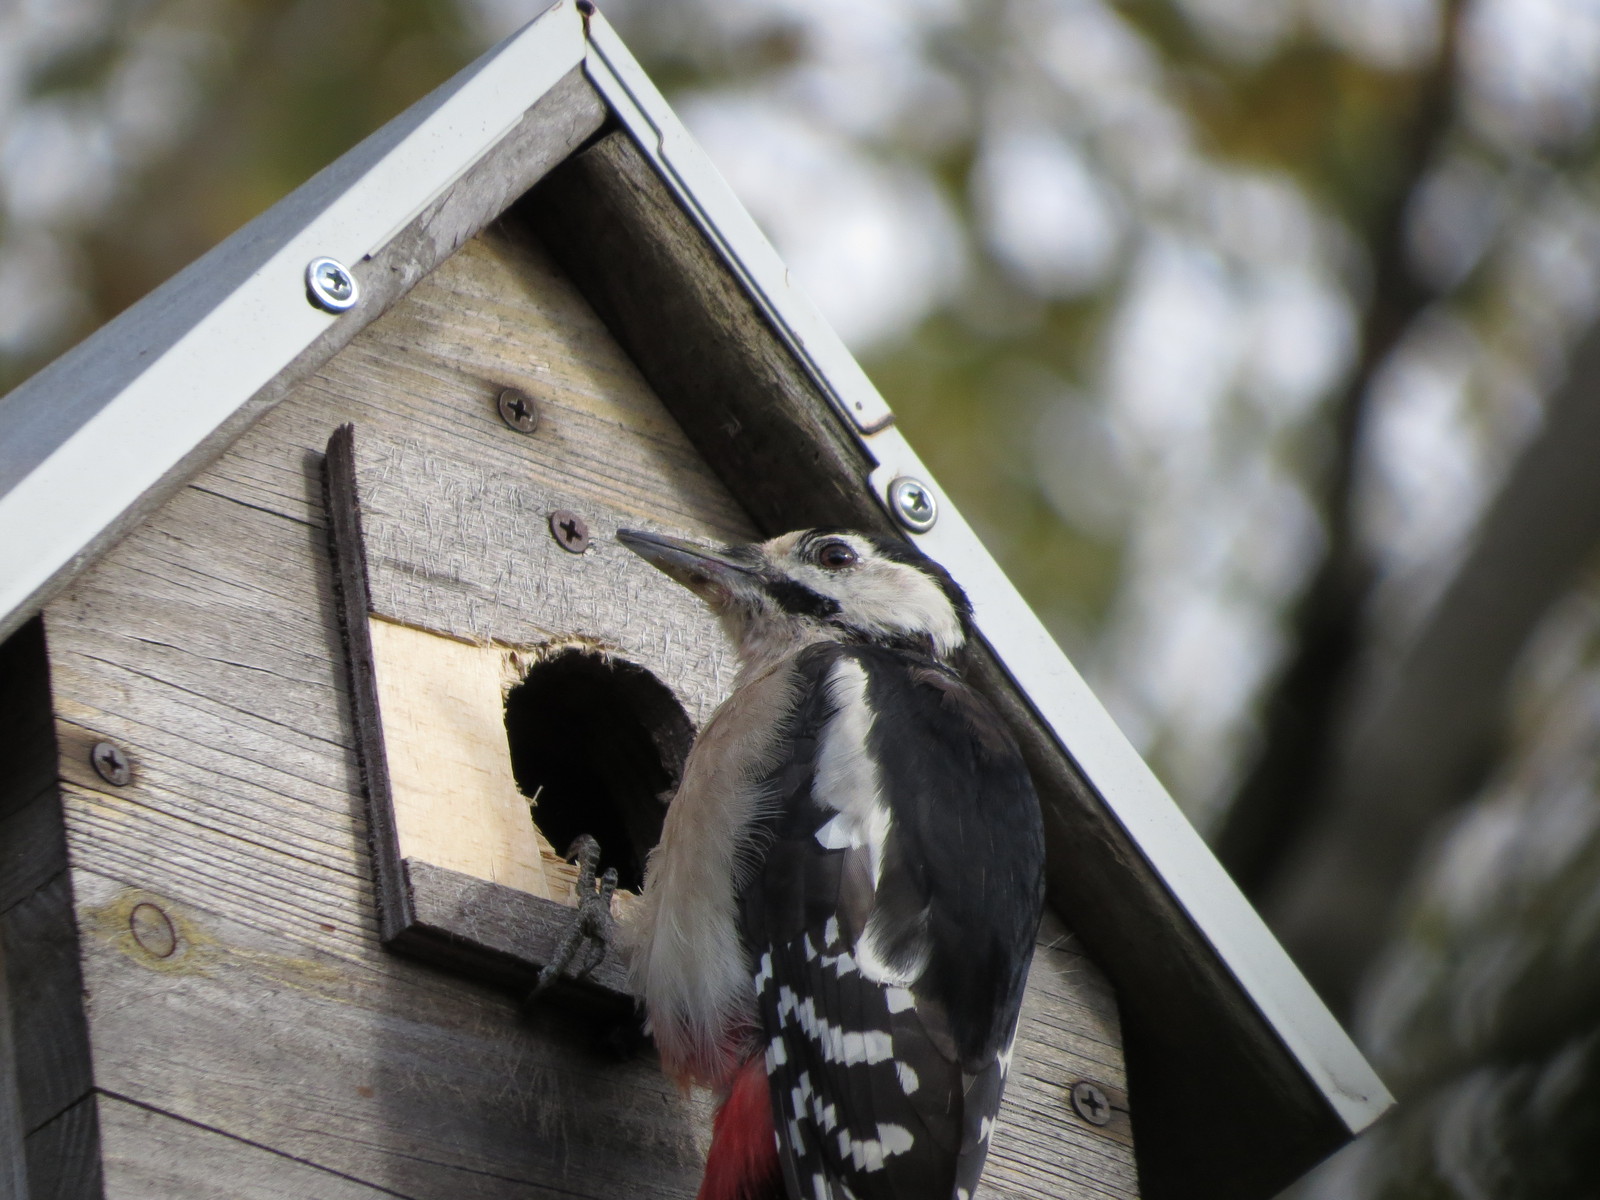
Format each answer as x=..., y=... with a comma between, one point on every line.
x=889, y=598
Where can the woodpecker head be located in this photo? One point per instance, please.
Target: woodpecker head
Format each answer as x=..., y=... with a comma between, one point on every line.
x=816, y=584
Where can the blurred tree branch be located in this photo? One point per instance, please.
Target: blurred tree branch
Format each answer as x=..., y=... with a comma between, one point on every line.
x=1419, y=738
x=1285, y=790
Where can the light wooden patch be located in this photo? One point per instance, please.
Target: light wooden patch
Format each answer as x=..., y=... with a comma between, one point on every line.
x=456, y=804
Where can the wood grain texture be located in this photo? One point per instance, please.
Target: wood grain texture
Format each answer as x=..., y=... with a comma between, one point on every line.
x=64, y=1155
x=45, y=1069
x=456, y=802
x=154, y=1156
x=748, y=407
x=499, y=932
x=347, y=544
x=460, y=549
x=13, y=1155
x=208, y=646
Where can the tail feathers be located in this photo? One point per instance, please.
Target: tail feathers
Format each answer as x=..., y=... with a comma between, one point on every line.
x=743, y=1163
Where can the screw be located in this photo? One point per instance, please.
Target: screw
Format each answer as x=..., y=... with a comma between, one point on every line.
x=913, y=504
x=1090, y=1103
x=518, y=410
x=330, y=286
x=111, y=764
x=569, y=530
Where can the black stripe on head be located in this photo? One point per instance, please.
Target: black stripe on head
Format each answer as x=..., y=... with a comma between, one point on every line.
x=800, y=600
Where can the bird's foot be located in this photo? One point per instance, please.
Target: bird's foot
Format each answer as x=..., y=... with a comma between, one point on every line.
x=592, y=926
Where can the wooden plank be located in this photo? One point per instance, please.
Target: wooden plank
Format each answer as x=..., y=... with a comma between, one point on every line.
x=40, y=947
x=347, y=542
x=207, y=646
x=151, y=1155
x=64, y=1155
x=1069, y=1033
x=44, y=1051
x=461, y=549
x=456, y=802
x=710, y=355
x=381, y=1071
x=497, y=931
x=13, y=1156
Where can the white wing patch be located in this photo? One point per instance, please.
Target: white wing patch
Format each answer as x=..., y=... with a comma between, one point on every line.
x=840, y=1045
x=847, y=778
x=867, y=1154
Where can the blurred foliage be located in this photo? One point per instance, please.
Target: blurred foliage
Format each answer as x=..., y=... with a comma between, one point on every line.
x=1484, y=1012
x=1120, y=257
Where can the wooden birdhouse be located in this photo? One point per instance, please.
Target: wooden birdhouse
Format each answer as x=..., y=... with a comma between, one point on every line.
x=319, y=652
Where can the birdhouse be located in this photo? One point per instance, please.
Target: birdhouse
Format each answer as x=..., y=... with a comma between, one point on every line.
x=320, y=652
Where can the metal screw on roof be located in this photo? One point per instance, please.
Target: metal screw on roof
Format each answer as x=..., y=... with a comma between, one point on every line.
x=913, y=504
x=330, y=286
x=111, y=764
x=1090, y=1103
x=569, y=531
x=518, y=410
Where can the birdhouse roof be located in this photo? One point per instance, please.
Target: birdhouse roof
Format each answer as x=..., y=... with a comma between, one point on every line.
x=1237, y=1068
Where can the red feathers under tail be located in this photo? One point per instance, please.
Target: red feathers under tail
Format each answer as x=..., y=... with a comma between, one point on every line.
x=743, y=1163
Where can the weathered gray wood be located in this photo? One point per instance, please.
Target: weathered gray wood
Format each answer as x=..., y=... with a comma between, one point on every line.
x=33, y=847
x=347, y=541
x=456, y=548
x=13, y=1156
x=207, y=645
x=709, y=354
x=369, y=1066
x=499, y=932
x=44, y=1052
x=64, y=1155
x=42, y=414
x=40, y=946
x=152, y=1155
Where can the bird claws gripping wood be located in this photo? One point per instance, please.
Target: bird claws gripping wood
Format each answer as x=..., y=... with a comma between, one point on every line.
x=592, y=925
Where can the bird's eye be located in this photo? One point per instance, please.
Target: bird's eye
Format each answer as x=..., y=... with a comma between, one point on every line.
x=835, y=556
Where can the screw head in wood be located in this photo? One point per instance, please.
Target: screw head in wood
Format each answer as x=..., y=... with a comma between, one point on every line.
x=913, y=504
x=569, y=530
x=330, y=286
x=111, y=764
x=1090, y=1103
x=518, y=410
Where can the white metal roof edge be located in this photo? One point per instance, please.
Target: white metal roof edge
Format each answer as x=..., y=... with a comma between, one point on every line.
x=105, y=424
x=1080, y=724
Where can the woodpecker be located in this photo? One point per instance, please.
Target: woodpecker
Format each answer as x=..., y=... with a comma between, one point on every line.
x=836, y=926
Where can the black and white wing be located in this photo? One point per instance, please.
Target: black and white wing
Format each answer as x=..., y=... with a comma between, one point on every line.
x=891, y=923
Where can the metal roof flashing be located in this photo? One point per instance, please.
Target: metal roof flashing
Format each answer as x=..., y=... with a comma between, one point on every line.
x=94, y=441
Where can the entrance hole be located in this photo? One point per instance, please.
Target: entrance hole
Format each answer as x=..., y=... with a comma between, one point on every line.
x=599, y=744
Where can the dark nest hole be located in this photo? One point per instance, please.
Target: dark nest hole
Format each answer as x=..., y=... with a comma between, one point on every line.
x=601, y=744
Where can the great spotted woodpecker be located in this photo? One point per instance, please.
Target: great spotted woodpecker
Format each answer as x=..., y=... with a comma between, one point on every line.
x=836, y=926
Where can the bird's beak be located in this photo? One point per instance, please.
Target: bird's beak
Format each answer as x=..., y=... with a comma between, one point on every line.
x=713, y=576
